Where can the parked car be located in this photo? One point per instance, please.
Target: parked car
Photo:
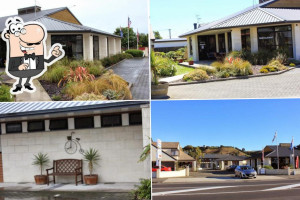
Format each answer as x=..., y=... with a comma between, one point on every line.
x=231, y=168
x=245, y=172
x=163, y=168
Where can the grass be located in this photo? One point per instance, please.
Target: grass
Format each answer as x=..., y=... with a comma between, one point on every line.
x=182, y=70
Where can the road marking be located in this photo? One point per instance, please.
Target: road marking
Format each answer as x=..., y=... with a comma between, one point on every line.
x=189, y=190
x=284, y=187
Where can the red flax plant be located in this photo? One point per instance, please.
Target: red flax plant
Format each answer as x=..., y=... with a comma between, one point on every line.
x=80, y=74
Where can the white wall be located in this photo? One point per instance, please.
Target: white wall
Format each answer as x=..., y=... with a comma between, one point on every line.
x=111, y=43
x=87, y=46
x=296, y=40
x=119, y=148
x=236, y=39
x=103, y=46
x=170, y=44
x=254, y=39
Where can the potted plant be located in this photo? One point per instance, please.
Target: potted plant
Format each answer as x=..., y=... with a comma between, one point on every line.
x=92, y=157
x=191, y=61
x=158, y=89
x=40, y=160
x=180, y=60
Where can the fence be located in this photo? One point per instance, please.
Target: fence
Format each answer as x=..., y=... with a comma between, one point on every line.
x=170, y=174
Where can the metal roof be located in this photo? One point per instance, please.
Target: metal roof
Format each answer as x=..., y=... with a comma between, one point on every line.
x=253, y=15
x=171, y=40
x=282, y=152
x=54, y=25
x=224, y=157
x=34, y=108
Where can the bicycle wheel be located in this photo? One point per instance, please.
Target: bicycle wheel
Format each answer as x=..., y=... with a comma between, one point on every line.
x=70, y=147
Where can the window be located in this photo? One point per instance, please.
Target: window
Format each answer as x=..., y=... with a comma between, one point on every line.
x=58, y=124
x=84, y=122
x=15, y=127
x=276, y=38
x=96, y=47
x=135, y=118
x=111, y=120
x=72, y=44
x=221, y=40
x=191, y=45
x=174, y=152
x=229, y=40
x=246, y=40
x=33, y=126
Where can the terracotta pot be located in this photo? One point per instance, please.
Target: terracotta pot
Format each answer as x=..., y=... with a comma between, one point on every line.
x=160, y=90
x=91, y=179
x=191, y=62
x=181, y=61
x=40, y=179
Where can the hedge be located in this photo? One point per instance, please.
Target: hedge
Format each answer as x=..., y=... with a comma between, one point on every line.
x=135, y=52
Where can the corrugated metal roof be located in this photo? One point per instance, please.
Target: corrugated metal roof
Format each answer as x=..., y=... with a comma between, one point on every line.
x=54, y=25
x=282, y=152
x=253, y=15
x=31, y=108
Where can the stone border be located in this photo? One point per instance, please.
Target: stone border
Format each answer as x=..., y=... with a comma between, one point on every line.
x=232, y=78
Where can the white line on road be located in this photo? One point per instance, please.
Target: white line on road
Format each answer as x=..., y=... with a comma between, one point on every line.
x=189, y=190
x=284, y=187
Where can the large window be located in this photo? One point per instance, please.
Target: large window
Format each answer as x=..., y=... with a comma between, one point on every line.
x=135, y=118
x=84, y=122
x=229, y=40
x=111, y=120
x=221, y=42
x=96, y=47
x=14, y=127
x=58, y=124
x=33, y=126
x=246, y=40
x=72, y=44
x=276, y=38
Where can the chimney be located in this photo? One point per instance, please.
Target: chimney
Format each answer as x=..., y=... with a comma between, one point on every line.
x=195, y=25
x=27, y=10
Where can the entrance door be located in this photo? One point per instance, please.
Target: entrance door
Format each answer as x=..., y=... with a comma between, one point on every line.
x=206, y=46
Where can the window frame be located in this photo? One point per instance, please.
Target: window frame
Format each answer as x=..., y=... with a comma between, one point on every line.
x=7, y=124
x=135, y=123
x=84, y=117
x=28, y=122
x=58, y=129
x=112, y=125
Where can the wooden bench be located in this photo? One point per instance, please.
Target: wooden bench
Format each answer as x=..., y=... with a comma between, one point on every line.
x=66, y=167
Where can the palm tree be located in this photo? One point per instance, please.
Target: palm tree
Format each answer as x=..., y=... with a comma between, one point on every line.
x=92, y=157
x=40, y=160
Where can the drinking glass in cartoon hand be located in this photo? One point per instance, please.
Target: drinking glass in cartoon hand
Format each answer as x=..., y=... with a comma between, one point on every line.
x=26, y=49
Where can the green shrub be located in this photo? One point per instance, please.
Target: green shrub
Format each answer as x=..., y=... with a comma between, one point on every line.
x=109, y=61
x=5, y=95
x=235, y=54
x=196, y=75
x=143, y=191
x=223, y=74
x=171, y=54
x=262, y=57
x=56, y=97
x=209, y=70
x=135, y=52
x=292, y=65
x=113, y=94
x=96, y=70
x=268, y=167
x=264, y=70
x=54, y=73
x=242, y=68
x=165, y=67
x=217, y=65
x=277, y=64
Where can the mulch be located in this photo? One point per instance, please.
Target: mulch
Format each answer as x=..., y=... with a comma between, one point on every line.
x=53, y=90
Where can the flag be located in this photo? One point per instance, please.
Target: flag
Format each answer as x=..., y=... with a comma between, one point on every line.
x=129, y=22
x=297, y=162
x=275, y=136
x=121, y=32
x=292, y=144
x=137, y=37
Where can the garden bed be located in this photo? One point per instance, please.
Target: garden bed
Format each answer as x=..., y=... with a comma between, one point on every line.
x=54, y=91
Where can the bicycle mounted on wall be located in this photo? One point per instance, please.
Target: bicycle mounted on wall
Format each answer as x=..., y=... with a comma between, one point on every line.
x=71, y=145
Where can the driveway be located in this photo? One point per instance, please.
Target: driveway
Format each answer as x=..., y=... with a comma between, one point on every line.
x=286, y=85
x=136, y=72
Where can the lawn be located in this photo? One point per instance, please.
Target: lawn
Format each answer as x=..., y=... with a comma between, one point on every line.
x=182, y=70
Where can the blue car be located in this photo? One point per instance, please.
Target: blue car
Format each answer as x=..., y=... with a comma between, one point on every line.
x=245, y=172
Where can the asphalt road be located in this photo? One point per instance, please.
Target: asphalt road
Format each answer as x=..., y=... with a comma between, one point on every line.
x=242, y=190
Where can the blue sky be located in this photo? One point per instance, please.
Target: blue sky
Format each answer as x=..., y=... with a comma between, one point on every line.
x=248, y=124
x=106, y=15
x=180, y=15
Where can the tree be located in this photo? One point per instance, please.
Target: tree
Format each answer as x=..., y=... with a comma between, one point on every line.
x=157, y=35
x=194, y=152
x=124, y=40
x=143, y=40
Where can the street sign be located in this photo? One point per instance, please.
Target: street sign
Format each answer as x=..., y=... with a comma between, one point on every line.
x=158, y=143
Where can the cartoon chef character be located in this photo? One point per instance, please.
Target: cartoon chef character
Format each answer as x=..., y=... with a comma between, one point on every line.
x=26, y=49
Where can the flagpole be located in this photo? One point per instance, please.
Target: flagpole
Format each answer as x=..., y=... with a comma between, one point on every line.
x=128, y=37
x=277, y=152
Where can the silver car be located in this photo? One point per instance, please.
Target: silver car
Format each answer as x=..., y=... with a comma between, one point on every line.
x=245, y=172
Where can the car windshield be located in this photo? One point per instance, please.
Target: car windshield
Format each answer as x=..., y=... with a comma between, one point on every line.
x=245, y=167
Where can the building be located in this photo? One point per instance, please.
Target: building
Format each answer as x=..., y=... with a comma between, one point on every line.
x=119, y=130
x=270, y=156
x=221, y=161
x=173, y=156
x=166, y=45
x=78, y=41
x=273, y=24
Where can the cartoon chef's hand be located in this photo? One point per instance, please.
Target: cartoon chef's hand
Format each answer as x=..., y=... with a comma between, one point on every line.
x=56, y=52
x=23, y=66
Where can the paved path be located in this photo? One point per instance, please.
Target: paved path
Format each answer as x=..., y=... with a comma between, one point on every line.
x=247, y=189
x=286, y=85
x=136, y=72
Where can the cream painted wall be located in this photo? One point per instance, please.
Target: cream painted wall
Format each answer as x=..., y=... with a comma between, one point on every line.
x=87, y=46
x=103, y=46
x=296, y=40
x=254, y=39
x=111, y=43
x=236, y=39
